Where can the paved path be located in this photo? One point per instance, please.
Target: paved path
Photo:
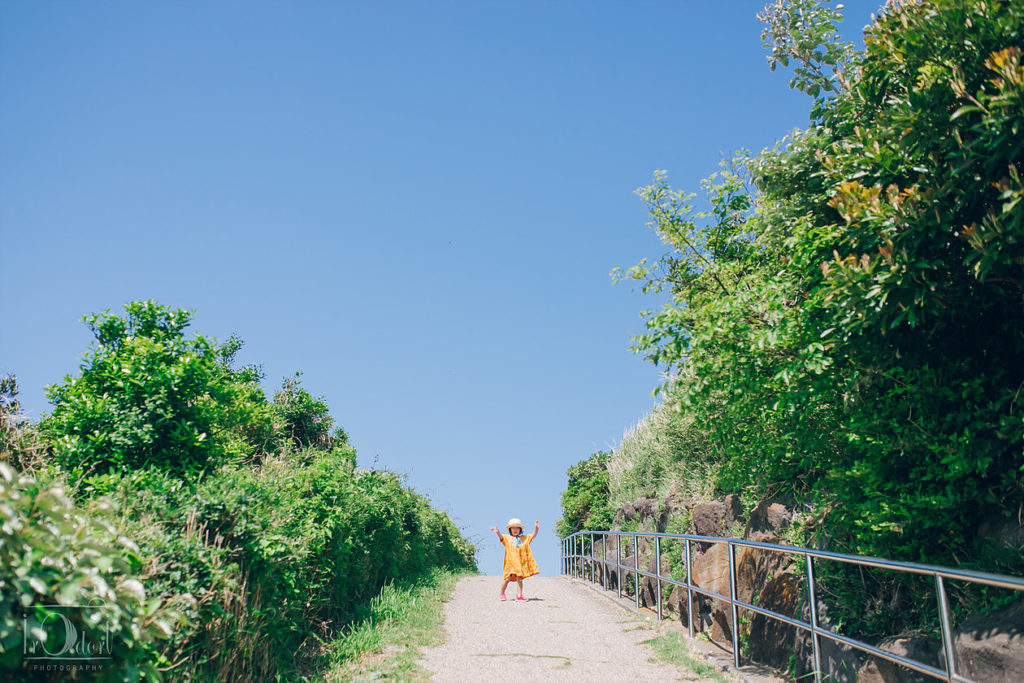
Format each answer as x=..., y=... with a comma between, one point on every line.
x=565, y=632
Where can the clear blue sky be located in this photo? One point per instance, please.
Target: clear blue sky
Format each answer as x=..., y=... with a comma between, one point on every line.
x=415, y=204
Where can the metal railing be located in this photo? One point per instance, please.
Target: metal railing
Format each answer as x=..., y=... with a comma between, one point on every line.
x=578, y=555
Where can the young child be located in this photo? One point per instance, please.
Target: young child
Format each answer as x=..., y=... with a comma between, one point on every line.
x=519, y=562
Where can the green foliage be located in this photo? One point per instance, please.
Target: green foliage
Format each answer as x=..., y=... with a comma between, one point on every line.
x=805, y=32
x=585, y=503
x=307, y=421
x=295, y=543
x=843, y=324
x=149, y=396
x=273, y=549
x=19, y=442
x=61, y=564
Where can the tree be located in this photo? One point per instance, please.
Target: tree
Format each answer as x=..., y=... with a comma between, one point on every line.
x=847, y=314
x=149, y=396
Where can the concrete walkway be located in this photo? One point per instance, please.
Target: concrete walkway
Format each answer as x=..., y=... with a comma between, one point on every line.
x=565, y=632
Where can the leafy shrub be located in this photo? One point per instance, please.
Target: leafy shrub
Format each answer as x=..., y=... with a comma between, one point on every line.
x=279, y=541
x=585, y=503
x=55, y=554
x=19, y=442
x=306, y=419
x=149, y=396
x=290, y=550
x=843, y=323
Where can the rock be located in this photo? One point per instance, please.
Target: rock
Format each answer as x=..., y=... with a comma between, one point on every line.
x=990, y=647
x=840, y=663
x=625, y=513
x=920, y=648
x=733, y=512
x=645, y=549
x=1004, y=532
x=771, y=640
x=711, y=572
x=767, y=519
x=648, y=587
x=646, y=507
x=677, y=604
x=709, y=518
x=676, y=504
x=717, y=518
x=755, y=566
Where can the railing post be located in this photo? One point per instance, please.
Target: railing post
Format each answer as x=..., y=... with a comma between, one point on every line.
x=732, y=602
x=657, y=571
x=593, y=560
x=636, y=571
x=812, y=598
x=604, y=561
x=689, y=592
x=947, y=630
x=618, y=564
x=572, y=573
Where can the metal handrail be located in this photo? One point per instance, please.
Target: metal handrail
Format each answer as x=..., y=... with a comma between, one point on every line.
x=574, y=558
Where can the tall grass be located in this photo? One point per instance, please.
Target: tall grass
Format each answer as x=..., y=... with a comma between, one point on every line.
x=664, y=453
x=384, y=642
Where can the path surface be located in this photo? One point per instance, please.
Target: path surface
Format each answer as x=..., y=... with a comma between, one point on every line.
x=565, y=632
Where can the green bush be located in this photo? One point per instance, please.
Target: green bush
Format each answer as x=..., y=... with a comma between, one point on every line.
x=306, y=420
x=280, y=554
x=61, y=564
x=147, y=396
x=254, y=509
x=843, y=324
x=585, y=502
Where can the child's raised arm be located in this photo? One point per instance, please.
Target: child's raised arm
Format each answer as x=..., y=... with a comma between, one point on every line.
x=536, y=528
x=495, y=530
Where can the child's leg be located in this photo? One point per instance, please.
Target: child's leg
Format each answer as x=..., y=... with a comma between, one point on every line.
x=504, y=585
x=519, y=584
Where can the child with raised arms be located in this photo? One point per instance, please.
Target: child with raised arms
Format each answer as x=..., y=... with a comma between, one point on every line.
x=519, y=562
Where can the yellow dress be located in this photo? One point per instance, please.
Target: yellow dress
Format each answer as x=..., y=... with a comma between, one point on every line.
x=519, y=562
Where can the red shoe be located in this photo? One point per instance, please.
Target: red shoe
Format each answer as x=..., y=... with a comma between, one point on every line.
x=520, y=597
x=502, y=597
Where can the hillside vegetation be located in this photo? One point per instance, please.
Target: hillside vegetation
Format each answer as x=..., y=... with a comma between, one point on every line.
x=844, y=327
x=217, y=535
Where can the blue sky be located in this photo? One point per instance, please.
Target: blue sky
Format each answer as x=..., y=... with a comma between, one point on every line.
x=415, y=204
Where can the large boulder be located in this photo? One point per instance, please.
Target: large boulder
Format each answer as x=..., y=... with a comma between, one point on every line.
x=679, y=605
x=711, y=572
x=919, y=648
x=1004, y=532
x=771, y=640
x=990, y=647
x=649, y=585
x=755, y=566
